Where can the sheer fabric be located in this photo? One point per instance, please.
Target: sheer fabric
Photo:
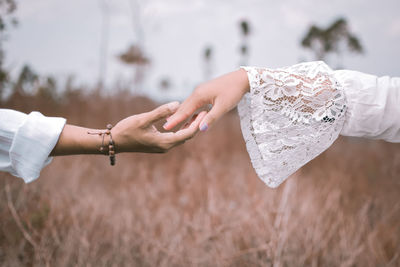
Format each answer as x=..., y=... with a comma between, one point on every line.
x=293, y=114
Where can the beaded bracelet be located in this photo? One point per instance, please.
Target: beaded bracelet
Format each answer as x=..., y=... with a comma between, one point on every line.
x=111, y=144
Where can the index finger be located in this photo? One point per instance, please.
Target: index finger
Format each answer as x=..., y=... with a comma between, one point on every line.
x=187, y=133
x=185, y=111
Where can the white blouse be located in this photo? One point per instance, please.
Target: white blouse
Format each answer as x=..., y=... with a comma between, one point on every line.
x=293, y=114
x=26, y=142
x=289, y=117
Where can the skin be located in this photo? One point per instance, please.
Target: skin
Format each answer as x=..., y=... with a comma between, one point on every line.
x=223, y=93
x=136, y=133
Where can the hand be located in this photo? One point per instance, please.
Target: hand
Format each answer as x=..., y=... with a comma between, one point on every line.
x=138, y=133
x=223, y=93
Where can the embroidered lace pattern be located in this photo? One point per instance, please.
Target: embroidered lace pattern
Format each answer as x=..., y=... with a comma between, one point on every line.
x=289, y=117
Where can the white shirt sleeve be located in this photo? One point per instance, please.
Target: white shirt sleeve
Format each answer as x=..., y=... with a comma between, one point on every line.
x=373, y=105
x=26, y=142
x=293, y=114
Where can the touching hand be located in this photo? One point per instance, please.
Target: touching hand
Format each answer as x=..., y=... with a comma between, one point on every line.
x=223, y=93
x=138, y=133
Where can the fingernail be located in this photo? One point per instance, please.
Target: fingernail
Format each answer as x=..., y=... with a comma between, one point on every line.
x=165, y=125
x=204, y=127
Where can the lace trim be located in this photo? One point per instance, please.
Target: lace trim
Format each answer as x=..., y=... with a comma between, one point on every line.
x=290, y=116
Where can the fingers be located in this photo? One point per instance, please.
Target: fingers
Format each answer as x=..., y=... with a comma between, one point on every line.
x=187, y=124
x=187, y=133
x=188, y=107
x=161, y=112
x=214, y=114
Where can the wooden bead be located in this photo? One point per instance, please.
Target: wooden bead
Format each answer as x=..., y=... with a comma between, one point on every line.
x=111, y=144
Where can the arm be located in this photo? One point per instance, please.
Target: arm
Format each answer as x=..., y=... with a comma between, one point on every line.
x=27, y=141
x=289, y=116
x=293, y=114
x=132, y=134
x=373, y=105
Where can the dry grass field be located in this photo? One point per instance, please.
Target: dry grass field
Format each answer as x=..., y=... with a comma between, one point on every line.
x=201, y=204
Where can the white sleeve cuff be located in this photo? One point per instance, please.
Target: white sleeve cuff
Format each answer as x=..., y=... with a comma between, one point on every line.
x=33, y=143
x=373, y=105
x=289, y=117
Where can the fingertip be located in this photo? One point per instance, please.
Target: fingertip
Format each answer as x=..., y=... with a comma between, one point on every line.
x=165, y=126
x=173, y=106
x=198, y=119
x=204, y=124
x=203, y=127
x=171, y=123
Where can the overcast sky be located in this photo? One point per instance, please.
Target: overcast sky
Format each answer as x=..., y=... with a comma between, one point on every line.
x=61, y=37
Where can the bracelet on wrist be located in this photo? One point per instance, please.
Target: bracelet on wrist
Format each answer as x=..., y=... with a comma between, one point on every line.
x=111, y=144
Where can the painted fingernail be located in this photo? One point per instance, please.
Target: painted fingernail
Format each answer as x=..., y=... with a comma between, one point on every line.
x=204, y=127
x=165, y=125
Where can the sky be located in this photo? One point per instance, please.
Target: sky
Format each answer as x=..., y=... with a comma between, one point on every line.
x=63, y=38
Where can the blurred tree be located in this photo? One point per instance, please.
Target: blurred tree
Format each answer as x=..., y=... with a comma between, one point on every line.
x=26, y=82
x=207, y=53
x=244, y=48
x=165, y=83
x=207, y=56
x=135, y=57
x=73, y=95
x=46, y=89
x=29, y=83
x=105, y=24
x=7, y=9
x=333, y=40
x=136, y=8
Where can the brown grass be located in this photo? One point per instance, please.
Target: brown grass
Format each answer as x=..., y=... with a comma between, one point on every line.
x=200, y=204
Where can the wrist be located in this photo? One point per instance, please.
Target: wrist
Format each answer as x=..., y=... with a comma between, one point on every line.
x=106, y=147
x=243, y=81
x=95, y=142
x=118, y=140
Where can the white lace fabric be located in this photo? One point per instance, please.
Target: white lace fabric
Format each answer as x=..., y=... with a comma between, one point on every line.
x=289, y=117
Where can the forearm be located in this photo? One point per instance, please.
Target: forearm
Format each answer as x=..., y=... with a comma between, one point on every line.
x=132, y=134
x=236, y=82
x=76, y=140
x=242, y=81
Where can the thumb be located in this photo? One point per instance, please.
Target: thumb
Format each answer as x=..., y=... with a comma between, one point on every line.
x=213, y=115
x=184, y=112
x=162, y=112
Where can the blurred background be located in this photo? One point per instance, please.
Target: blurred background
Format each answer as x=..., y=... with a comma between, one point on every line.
x=97, y=61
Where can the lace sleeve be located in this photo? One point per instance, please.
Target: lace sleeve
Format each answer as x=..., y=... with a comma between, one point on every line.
x=290, y=116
